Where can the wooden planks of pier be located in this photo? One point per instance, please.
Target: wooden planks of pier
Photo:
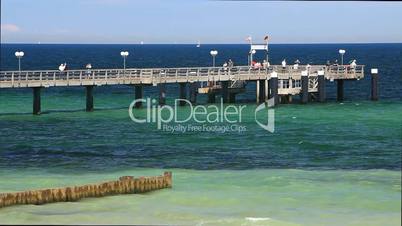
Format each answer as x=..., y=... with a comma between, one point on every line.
x=125, y=185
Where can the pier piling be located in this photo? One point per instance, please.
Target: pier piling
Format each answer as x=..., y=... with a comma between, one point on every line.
x=339, y=89
x=36, y=101
x=162, y=94
x=193, y=92
x=266, y=90
x=321, y=86
x=225, y=91
x=139, y=92
x=211, y=98
x=262, y=91
x=374, y=84
x=304, y=86
x=273, y=86
x=183, y=92
x=232, y=97
x=90, y=98
x=257, y=91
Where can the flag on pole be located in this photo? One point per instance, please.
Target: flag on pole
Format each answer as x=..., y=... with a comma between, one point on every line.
x=266, y=38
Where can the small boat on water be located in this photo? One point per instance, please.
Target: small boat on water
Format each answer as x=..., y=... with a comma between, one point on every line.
x=198, y=44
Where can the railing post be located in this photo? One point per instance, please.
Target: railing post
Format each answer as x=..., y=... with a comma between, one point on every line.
x=304, y=85
x=106, y=76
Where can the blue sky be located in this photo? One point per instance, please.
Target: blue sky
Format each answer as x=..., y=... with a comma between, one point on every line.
x=186, y=21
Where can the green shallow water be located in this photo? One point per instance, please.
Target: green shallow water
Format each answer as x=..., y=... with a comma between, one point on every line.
x=221, y=197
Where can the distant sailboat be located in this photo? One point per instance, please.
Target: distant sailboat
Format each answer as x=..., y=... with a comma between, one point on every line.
x=198, y=44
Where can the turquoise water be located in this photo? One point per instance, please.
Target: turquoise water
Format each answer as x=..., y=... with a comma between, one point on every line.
x=222, y=197
x=325, y=164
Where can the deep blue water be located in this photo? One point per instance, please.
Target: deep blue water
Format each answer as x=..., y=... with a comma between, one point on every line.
x=358, y=134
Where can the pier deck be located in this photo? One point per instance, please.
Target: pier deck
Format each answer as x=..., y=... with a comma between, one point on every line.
x=153, y=76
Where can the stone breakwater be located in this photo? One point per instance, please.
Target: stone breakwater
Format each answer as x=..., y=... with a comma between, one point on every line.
x=125, y=185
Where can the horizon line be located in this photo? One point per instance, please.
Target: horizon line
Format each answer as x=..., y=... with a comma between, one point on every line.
x=276, y=43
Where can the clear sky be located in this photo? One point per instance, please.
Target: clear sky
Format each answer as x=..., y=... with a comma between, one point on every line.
x=186, y=21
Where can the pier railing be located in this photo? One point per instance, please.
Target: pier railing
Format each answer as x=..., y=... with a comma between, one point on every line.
x=46, y=78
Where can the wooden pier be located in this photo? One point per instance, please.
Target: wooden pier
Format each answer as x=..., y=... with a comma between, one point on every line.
x=274, y=81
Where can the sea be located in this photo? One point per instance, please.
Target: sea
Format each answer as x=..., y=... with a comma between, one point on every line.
x=332, y=163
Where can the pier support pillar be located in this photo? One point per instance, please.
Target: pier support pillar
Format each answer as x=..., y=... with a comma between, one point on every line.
x=339, y=84
x=225, y=91
x=232, y=97
x=374, y=84
x=257, y=91
x=273, y=86
x=162, y=94
x=262, y=91
x=211, y=98
x=139, y=91
x=36, y=101
x=304, y=87
x=321, y=86
x=266, y=90
x=183, y=93
x=193, y=92
x=90, y=98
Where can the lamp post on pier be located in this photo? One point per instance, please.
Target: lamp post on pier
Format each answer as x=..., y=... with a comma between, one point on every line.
x=19, y=55
x=342, y=52
x=213, y=54
x=124, y=54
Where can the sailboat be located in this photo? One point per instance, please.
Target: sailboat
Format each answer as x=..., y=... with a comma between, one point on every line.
x=198, y=44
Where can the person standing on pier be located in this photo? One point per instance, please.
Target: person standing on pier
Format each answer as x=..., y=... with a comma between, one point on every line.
x=225, y=67
x=283, y=65
x=265, y=64
x=231, y=64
